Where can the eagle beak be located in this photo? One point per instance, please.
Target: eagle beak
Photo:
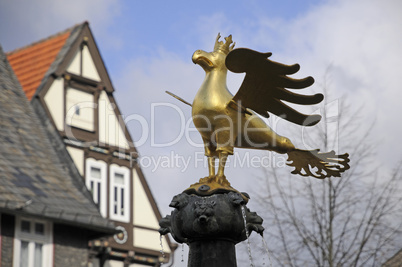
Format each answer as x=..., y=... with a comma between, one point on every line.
x=196, y=56
x=200, y=57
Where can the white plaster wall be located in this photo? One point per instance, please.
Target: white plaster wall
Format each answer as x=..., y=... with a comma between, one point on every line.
x=74, y=66
x=149, y=239
x=142, y=210
x=113, y=263
x=85, y=102
x=88, y=66
x=78, y=157
x=54, y=100
x=110, y=131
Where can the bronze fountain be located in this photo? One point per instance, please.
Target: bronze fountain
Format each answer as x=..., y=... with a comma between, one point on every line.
x=207, y=215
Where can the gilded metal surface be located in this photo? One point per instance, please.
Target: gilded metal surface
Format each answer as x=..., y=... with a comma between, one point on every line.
x=226, y=121
x=178, y=98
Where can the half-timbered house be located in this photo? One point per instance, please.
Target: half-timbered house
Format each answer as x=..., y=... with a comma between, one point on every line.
x=47, y=216
x=67, y=83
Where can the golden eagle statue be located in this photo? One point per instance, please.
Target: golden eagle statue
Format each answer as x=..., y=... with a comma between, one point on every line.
x=226, y=121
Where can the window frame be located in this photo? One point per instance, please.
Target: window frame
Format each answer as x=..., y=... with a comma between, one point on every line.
x=102, y=203
x=125, y=217
x=71, y=107
x=46, y=240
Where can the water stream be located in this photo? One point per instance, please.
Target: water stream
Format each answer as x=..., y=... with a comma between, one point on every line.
x=264, y=243
x=182, y=252
x=162, y=251
x=243, y=211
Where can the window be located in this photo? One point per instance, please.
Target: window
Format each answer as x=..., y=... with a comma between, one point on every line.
x=80, y=107
x=96, y=182
x=33, y=243
x=119, y=193
x=77, y=109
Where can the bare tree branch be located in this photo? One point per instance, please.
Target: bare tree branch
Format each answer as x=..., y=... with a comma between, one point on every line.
x=348, y=221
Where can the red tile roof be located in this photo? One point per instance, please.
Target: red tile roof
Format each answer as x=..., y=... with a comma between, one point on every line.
x=30, y=63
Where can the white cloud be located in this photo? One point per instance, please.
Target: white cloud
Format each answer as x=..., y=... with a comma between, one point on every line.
x=356, y=47
x=356, y=40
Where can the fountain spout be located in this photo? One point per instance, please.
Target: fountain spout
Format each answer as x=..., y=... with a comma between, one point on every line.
x=211, y=226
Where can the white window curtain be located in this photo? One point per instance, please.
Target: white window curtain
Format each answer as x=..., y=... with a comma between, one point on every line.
x=95, y=180
x=33, y=243
x=119, y=193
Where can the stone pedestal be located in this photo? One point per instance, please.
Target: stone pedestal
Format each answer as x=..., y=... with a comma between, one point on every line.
x=211, y=226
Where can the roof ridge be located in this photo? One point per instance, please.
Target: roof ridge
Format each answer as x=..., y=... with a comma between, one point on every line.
x=70, y=29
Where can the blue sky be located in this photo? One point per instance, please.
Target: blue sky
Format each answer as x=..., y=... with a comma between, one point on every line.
x=352, y=46
x=147, y=48
x=143, y=25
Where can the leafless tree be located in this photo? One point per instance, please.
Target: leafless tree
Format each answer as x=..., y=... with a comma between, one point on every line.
x=355, y=220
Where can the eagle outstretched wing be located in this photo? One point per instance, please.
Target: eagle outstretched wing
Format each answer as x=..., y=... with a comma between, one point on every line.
x=318, y=164
x=264, y=87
